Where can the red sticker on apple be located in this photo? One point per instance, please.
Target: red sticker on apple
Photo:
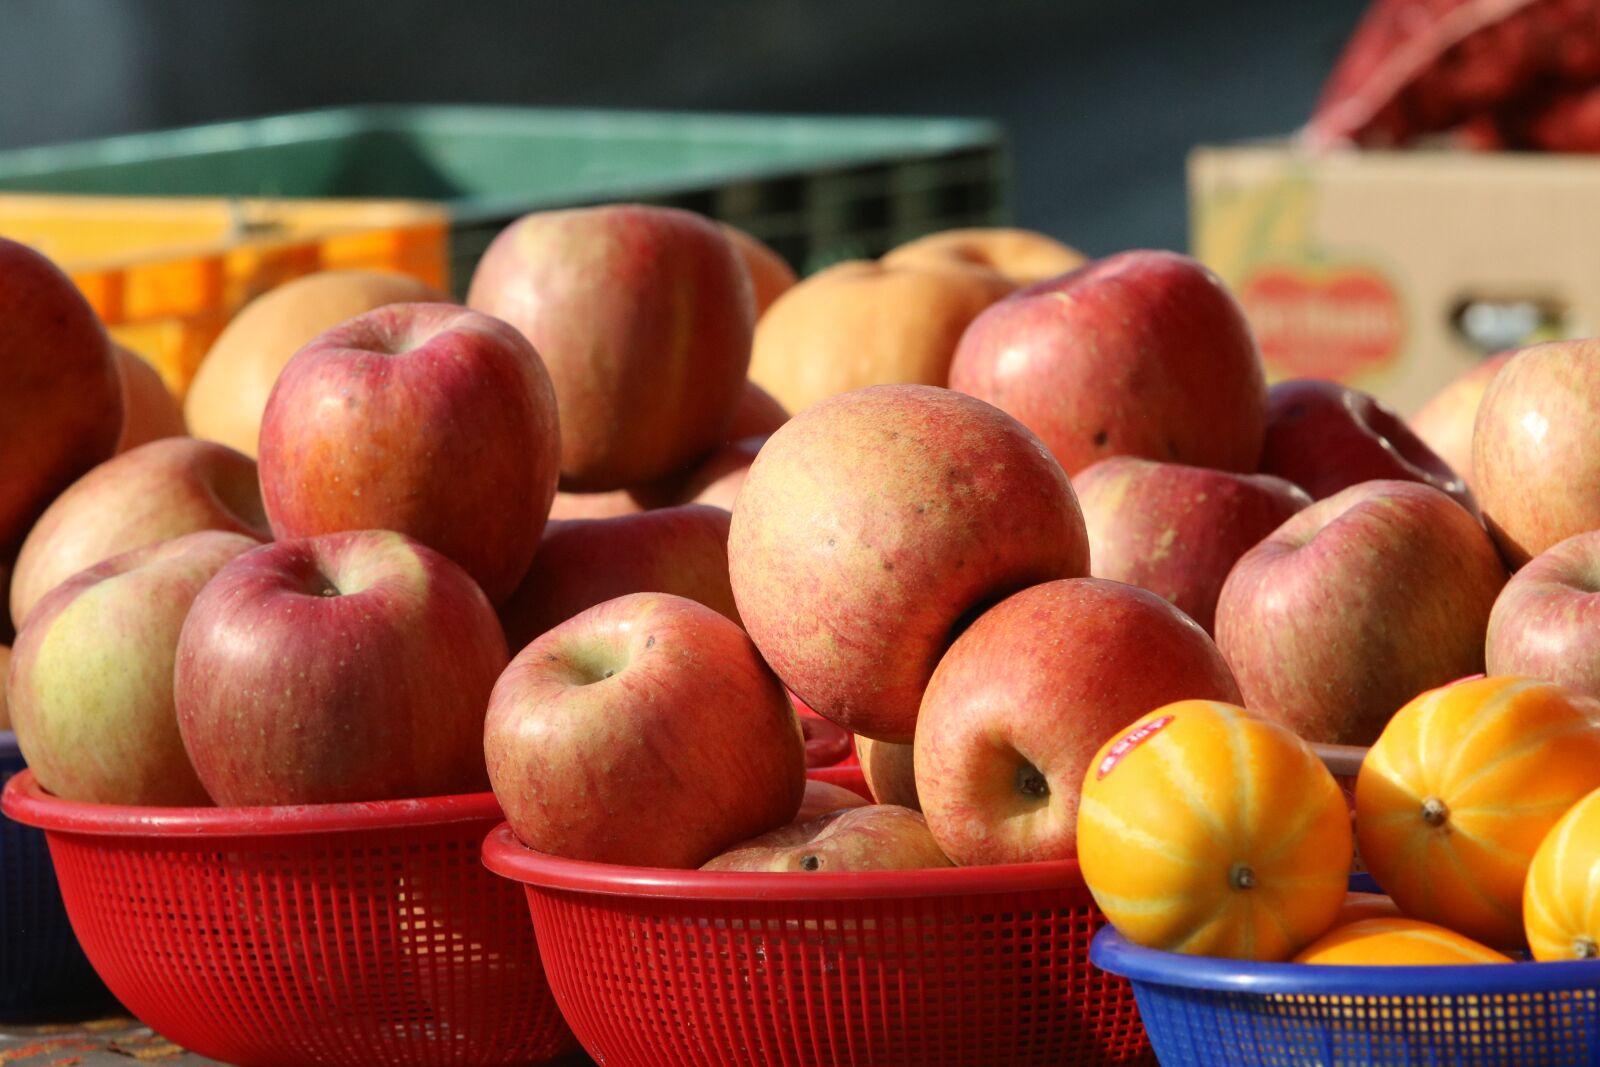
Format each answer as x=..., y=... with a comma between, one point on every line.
x=1135, y=737
x=1336, y=323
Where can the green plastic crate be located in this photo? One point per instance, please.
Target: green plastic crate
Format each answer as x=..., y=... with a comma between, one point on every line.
x=818, y=189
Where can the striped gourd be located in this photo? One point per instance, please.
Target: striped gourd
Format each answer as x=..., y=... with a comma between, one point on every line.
x=1460, y=789
x=1561, y=902
x=1206, y=830
x=1396, y=942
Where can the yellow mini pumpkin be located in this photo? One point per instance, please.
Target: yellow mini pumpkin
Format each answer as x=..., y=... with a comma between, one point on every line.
x=1561, y=901
x=1206, y=830
x=1457, y=793
x=1394, y=942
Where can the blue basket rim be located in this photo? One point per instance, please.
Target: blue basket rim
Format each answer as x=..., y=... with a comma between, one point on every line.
x=1115, y=954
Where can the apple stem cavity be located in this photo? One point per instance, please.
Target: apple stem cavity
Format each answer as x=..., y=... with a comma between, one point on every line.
x=1435, y=812
x=813, y=863
x=1584, y=948
x=1240, y=876
x=1030, y=783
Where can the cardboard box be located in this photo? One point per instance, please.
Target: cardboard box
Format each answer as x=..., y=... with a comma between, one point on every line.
x=1397, y=271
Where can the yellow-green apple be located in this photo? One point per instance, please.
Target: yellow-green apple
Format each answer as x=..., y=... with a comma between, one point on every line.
x=1536, y=448
x=91, y=682
x=1142, y=353
x=876, y=524
x=821, y=798
x=878, y=837
x=5, y=707
x=152, y=493
x=352, y=666
x=644, y=316
x=1357, y=604
x=1546, y=623
x=427, y=419
x=890, y=772
x=1445, y=423
x=1028, y=694
x=1177, y=530
x=645, y=731
x=583, y=562
x=1325, y=437
x=149, y=410
x=60, y=399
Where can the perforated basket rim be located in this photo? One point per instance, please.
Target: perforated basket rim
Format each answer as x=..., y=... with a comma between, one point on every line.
x=1115, y=954
x=26, y=801
x=509, y=857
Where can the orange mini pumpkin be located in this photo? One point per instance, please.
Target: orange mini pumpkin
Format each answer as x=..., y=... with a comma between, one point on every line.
x=1561, y=901
x=1392, y=942
x=1206, y=830
x=1460, y=789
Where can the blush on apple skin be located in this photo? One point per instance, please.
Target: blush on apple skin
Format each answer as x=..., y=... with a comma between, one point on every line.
x=353, y=666
x=1028, y=694
x=1325, y=437
x=645, y=731
x=1357, y=604
x=1143, y=353
x=1176, y=530
x=1546, y=622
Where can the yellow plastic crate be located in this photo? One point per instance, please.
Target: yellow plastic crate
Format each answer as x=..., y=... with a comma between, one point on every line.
x=166, y=274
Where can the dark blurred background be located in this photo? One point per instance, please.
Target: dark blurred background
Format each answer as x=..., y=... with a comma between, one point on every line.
x=1101, y=98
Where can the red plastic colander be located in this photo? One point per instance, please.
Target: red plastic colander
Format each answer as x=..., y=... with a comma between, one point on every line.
x=961, y=966
x=337, y=934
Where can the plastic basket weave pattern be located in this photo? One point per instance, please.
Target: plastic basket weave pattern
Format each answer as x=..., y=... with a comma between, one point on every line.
x=1202, y=1011
x=351, y=934
x=979, y=966
x=42, y=970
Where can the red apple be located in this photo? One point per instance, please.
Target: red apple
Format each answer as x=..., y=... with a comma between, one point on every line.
x=719, y=478
x=1445, y=423
x=874, y=525
x=757, y=414
x=91, y=684
x=879, y=837
x=354, y=666
x=645, y=731
x=427, y=419
x=60, y=398
x=1546, y=623
x=890, y=772
x=1178, y=530
x=1536, y=448
x=607, y=505
x=822, y=798
x=1356, y=605
x=1027, y=695
x=1143, y=354
x=1324, y=437
x=152, y=493
x=644, y=316
x=149, y=410
x=584, y=562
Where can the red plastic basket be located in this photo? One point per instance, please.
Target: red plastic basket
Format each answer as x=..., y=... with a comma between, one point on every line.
x=980, y=965
x=340, y=934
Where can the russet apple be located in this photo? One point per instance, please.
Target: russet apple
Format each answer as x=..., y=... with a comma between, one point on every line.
x=1028, y=694
x=152, y=493
x=91, y=684
x=583, y=562
x=427, y=419
x=1142, y=353
x=890, y=771
x=1178, y=530
x=876, y=524
x=644, y=317
x=1445, y=422
x=60, y=398
x=645, y=731
x=1536, y=448
x=149, y=410
x=878, y=837
x=1324, y=437
x=1357, y=604
x=1546, y=622
x=352, y=666
x=1023, y=256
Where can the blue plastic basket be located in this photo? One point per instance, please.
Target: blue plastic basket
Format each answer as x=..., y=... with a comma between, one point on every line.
x=43, y=972
x=1200, y=1010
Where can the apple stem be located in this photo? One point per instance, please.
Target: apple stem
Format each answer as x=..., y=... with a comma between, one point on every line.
x=1584, y=948
x=1030, y=783
x=1435, y=812
x=1240, y=876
